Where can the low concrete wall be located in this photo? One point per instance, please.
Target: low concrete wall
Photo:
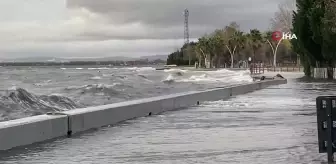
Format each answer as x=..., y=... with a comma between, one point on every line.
x=88, y=118
x=31, y=130
x=40, y=128
x=322, y=73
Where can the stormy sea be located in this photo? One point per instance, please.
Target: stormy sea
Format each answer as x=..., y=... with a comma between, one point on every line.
x=28, y=91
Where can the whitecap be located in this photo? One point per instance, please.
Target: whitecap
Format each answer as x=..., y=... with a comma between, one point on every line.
x=96, y=78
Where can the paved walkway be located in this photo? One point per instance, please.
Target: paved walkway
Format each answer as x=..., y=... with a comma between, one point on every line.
x=271, y=126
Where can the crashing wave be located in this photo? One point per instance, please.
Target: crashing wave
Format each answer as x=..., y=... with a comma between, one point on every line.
x=96, y=78
x=170, y=79
x=19, y=99
x=97, y=89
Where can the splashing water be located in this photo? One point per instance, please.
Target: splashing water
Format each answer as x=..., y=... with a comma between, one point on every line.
x=90, y=86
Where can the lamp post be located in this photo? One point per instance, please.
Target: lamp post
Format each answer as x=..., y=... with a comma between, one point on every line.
x=250, y=64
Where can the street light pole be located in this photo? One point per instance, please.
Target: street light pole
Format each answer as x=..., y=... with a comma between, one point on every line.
x=250, y=64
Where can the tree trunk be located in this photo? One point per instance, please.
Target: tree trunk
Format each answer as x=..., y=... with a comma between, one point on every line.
x=218, y=61
x=200, y=62
x=214, y=61
x=307, y=70
x=204, y=61
x=330, y=71
x=213, y=64
x=274, y=60
x=231, y=60
x=253, y=60
x=317, y=64
x=208, y=61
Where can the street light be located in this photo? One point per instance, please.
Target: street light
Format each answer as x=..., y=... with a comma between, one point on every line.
x=250, y=66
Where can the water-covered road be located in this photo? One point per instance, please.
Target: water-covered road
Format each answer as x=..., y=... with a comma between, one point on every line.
x=272, y=126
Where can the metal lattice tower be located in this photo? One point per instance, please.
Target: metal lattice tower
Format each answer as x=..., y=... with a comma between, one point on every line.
x=186, y=32
x=186, y=26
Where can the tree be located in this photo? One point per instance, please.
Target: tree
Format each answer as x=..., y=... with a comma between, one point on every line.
x=324, y=12
x=199, y=54
x=254, y=40
x=233, y=39
x=235, y=42
x=204, y=47
x=327, y=12
x=225, y=46
x=180, y=58
x=282, y=20
x=312, y=28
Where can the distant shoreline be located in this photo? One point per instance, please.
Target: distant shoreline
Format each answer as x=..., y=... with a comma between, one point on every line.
x=206, y=69
x=109, y=64
x=83, y=63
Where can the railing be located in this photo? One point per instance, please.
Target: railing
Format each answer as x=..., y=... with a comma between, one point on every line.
x=284, y=69
x=322, y=73
x=257, y=68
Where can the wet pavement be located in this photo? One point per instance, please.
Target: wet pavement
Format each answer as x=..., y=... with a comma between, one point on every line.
x=270, y=126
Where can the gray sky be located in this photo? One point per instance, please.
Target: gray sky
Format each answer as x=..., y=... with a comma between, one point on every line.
x=93, y=28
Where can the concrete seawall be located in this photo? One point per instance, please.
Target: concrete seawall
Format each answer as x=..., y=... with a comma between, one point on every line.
x=30, y=130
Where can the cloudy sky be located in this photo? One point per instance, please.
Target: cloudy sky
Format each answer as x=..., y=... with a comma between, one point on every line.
x=97, y=28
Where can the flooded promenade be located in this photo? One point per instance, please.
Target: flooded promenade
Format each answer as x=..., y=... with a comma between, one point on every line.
x=274, y=125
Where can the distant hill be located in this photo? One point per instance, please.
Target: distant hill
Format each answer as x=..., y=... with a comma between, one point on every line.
x=32, y=59
x=155, y=57
x=114, y=58
x=56, y=59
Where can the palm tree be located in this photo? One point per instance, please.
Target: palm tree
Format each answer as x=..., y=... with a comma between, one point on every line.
x=200, y=55
x=236, y=41
x=232, y=39
x=254, y=40
x=204, y=47
x=215, y=46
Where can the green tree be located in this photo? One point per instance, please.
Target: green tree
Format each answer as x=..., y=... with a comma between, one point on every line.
x=199, y=54
x=235, y=43
x=233, y=39
x=203, y=46
x=215, y=47
x=255, y=41
x=326, y=10
x=309, y=48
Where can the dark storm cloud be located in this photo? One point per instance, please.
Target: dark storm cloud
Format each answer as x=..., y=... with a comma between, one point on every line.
x=120, y=27
x=162, y=15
